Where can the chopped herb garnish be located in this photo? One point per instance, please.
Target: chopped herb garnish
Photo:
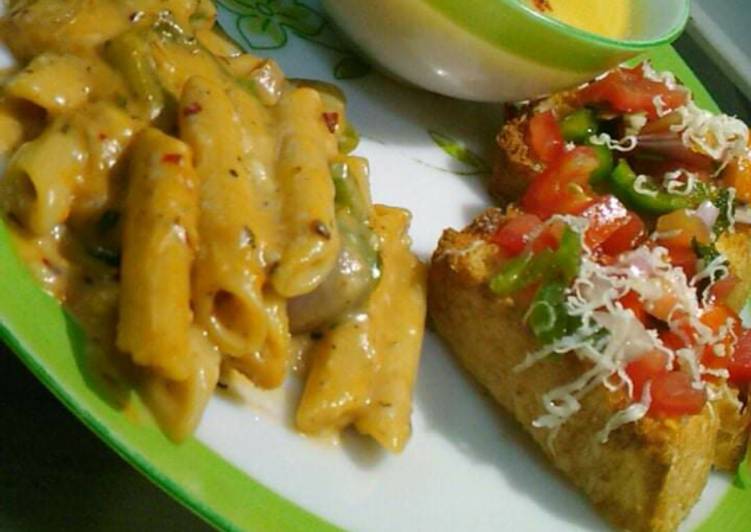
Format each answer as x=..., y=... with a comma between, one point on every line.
x=705, y=252
x=723, y=200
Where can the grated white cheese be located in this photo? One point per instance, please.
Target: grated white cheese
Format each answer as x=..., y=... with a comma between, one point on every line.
x=626, y=144
x=630, y=414
x=674, y=185
x=594, y=298
x=640, y=186
x=714, y=271
x=660, y=107
x=720, y=136
x=634, y=123
x=666, y=78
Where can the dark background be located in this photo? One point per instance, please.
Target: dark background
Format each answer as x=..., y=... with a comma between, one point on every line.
x=56, y=475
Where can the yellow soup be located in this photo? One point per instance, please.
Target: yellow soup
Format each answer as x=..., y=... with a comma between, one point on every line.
x=610, y=18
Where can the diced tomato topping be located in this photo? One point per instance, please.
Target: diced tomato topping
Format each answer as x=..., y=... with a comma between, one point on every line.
x=628, y=237
x=673, y=395
x=626, y=90
x=563, y=188
x=605, y=216
x=715, y=317
x=680, y=228
x=545, y=137
x=550, y=238
x=737, y=174
x=740, y=363
x=672, y=340
x=631, y=301
x=645, y=368
x=513, y=236
x=684, y=258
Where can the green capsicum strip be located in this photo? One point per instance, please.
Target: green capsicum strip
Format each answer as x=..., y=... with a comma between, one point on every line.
x=579, y=125
x=527, y=269
x=352, y=216
x=130, y=53
x=348, y=194
x=722, y=199
x=622, y=183
x=547, y=317
x=599, y=177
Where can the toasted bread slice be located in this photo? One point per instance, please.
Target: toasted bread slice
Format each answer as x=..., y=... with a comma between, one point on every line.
x=515, y=163
x=649, y=474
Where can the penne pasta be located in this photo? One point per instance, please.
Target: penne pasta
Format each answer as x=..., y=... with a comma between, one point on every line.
x=159, y=241
x=343, y=366
x=397, y=318
x=268, y=366
x=178, y=405
x=108, y=131
x=38, y=187
x=363, y=370
x=229, y=277
x=305, y=149
x=34, y=27
x=56, y=83
x=11, y=130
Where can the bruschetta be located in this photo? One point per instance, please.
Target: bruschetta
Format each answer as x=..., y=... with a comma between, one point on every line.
x=601, y=305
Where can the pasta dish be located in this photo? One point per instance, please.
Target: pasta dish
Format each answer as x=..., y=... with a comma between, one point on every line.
x=202, y=216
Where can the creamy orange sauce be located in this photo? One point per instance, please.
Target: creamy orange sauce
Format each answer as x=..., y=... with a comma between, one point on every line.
x=609, y=18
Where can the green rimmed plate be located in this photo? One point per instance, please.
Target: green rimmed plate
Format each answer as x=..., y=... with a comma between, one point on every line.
x=466, y=467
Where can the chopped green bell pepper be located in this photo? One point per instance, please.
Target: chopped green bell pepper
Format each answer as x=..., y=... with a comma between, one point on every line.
x=579, y=125
x=547, y=318
x=511, y=279
x=130, y=53
x=348, y=194
x=622, y=183
x=547, y=265
x=604, y=168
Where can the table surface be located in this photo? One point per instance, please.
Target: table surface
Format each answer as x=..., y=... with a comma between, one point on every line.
x=56, y=475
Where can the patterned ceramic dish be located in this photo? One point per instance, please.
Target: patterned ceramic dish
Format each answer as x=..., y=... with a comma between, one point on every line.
x=495, y=50
x=466, y=467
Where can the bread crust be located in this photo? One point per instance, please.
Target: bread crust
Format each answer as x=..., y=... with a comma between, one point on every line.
x=515, y=163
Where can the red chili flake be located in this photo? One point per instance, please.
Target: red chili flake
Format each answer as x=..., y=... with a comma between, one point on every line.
x=172, y=158
x=542, y=5
x=102, y=136
x=192, y=108
x=332, y=120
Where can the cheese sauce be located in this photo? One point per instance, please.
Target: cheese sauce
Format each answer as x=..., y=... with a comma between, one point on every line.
x=609, y=18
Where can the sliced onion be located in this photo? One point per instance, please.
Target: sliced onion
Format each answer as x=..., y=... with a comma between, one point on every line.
x=708, y=213
x=670, y=146
x=743, y=215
